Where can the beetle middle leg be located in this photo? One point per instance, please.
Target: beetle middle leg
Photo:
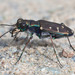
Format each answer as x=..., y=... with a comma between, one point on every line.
x=23, y=50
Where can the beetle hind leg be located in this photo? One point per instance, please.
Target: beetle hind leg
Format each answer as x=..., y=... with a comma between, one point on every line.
x=55, y=52
x=70, y=44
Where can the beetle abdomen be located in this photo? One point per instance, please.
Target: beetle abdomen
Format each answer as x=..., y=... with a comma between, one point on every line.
x=56, y=28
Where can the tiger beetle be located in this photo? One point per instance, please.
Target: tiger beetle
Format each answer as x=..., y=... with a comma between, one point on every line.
x=42, y=29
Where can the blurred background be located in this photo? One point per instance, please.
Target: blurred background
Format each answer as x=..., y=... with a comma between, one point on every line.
x=52, y=10
x=35, y=64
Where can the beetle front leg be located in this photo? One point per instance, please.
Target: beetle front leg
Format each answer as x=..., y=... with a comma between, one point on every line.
x=15, y=36
x=12, y=31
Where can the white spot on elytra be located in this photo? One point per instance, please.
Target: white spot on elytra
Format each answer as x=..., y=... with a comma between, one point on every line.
x=62, y=26
x=58, y=29
x=50, y=27
x=41, y=28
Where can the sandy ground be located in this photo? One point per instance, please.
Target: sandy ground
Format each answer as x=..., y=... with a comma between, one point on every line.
x=38, y=58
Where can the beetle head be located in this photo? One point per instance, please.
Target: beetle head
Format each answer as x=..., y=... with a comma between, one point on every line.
x=21, y=24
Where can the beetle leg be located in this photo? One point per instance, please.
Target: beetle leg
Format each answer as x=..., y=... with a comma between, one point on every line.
x=55, y=52
x=27, y=36
x=23, y=50
x=4, y=33
x=12, y=31
x=70, y=44
x=15, y=36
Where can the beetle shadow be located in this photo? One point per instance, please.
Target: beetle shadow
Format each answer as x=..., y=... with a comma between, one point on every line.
x=37, y=43
x=11, y=42
x=33, y=44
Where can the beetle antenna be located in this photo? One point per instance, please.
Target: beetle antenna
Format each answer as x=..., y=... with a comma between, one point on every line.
x=55, y=52
x=23, y=50
x=4, y=33
x=70, y=44
x=6, y=25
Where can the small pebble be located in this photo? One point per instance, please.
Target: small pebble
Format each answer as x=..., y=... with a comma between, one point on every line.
x=66, y=54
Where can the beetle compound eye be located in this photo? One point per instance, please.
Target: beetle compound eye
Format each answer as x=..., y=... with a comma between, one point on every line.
x=19, y=23
x=19, y=20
